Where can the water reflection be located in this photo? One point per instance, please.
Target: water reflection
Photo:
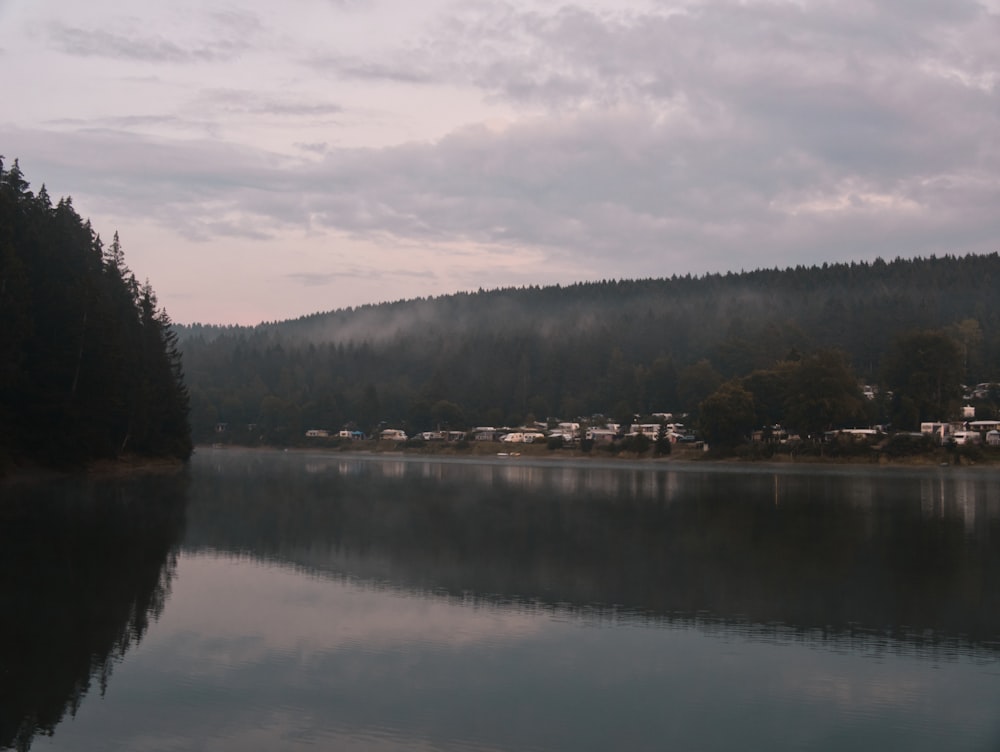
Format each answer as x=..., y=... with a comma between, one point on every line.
x=254, y=656
x=84, y=569
x=833, y=556
x=322, y=601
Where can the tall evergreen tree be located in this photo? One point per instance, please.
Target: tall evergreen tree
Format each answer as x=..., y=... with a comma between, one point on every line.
x=81, y=352
x=924, y=371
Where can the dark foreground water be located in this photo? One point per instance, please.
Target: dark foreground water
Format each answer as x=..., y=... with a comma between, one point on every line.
x=288, y=601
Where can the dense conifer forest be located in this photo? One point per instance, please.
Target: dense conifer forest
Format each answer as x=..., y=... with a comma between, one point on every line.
x=89, y=364
x=733, y=352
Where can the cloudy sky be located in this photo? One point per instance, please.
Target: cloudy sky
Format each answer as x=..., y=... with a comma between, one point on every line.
x=266, y=160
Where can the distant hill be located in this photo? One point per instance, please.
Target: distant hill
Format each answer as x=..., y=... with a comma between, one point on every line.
x=618, y=347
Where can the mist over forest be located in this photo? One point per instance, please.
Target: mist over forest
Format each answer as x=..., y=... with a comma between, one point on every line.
x=94, y=368
x=619, y=348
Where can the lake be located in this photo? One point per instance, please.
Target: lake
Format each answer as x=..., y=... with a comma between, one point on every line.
x=265, y=600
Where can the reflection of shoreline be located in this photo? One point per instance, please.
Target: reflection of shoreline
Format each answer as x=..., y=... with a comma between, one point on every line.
x=124, y=467
x=937, y=462
x=957, y=492
x=86, y=566
x=517, y=615
x=873, y=554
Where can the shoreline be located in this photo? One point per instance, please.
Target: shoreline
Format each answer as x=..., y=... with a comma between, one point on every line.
x=941, y=458
x=121, y=467
x=128, y=466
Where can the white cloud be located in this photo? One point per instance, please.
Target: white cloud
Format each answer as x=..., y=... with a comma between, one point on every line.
x=497, y=141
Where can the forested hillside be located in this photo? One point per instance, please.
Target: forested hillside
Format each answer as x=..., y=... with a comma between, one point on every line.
x=89, y=367
x=620, y=348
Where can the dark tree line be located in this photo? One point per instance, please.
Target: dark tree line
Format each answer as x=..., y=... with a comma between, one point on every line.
x=798, y=341
x=89, y=363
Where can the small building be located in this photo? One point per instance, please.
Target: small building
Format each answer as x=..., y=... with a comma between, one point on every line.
x=858, y=434
x=486, y=433
x=650, y=430
x=568, y=437
x=961, y=438
x=522, y=437
x=941, y=431
x=771, y=434
x=984, y=425
x=980, y=391
x=601, y=435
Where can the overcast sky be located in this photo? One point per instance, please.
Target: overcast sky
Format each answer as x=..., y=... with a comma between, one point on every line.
x=266, y=160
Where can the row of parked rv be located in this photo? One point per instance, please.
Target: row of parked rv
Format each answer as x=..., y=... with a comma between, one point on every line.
x=957, y=432
x=568, y=432
x=964, y=432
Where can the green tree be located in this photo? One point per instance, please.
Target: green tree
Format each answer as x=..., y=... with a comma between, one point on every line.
x=663, y=384
x=662, y=445
x=923, y=369
x=370, y=409
x=695, y=383
x=968, y=335
x=727, y=415
x=822, y=393
x=769, y=389
x=447, y=415
x=89, y=367
x=160, y=403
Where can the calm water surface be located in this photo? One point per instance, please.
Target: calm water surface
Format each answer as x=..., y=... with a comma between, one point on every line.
x=266, y=601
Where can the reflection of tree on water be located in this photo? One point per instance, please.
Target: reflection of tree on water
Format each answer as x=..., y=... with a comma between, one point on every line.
x=829, y=555
x=84, y=569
